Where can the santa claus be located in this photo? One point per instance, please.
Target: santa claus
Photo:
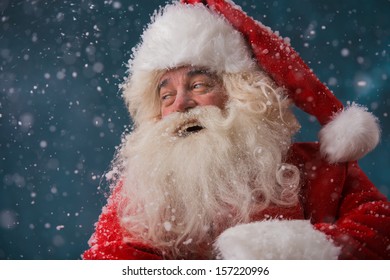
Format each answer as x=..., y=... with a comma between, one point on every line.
x=210, y=170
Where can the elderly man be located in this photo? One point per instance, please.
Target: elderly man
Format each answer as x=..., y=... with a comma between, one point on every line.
x=210, y=170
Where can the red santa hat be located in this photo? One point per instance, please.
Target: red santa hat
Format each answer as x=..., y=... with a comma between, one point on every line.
x=221, y=37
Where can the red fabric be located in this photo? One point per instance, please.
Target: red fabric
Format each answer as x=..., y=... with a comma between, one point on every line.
x=108, y=241
x=338, y=199
x=341, y=201
x=282, y=62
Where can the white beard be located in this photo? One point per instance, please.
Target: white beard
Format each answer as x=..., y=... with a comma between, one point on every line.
x=181, y=191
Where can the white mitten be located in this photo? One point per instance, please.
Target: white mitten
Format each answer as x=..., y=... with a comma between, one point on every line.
x=275, y=240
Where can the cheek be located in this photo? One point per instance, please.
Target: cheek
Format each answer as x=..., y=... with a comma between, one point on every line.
x=165, y=112
x=218, y=100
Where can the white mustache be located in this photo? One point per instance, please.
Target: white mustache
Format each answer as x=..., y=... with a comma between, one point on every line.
x=192, y=122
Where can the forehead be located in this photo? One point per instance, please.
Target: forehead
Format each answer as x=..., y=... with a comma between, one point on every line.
x=185, y=71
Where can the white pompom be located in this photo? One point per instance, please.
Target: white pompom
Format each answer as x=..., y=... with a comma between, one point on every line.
x=350, y=135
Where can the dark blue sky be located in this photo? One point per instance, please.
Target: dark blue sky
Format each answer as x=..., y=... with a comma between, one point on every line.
x=61, y=113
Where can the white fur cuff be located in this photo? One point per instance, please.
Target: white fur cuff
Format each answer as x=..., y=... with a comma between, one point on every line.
x=350, y=135
x=275, y=240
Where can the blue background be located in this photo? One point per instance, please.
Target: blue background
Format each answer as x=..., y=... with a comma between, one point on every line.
x=61, y=113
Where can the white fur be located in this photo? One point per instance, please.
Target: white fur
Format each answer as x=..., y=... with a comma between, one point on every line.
x=350, y=135
x=191, y=35
x=275, y=240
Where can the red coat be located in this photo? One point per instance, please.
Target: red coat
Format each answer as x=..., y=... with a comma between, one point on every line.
x=338, y=199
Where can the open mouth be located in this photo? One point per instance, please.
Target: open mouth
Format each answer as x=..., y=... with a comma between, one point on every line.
x=189, y=128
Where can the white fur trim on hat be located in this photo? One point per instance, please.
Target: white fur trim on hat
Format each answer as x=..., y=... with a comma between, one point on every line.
x=350, y=135
x=275, y=240
x=183, y=34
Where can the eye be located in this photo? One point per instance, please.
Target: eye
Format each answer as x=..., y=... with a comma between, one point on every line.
x=200, y=86
x=166, y=96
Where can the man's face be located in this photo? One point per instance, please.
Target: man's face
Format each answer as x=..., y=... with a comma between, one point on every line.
x=184, y=88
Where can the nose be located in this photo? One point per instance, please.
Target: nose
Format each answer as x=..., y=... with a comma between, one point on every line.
x=183, y=101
